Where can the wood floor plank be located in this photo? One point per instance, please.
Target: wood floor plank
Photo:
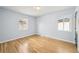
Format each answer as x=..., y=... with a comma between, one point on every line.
x=37, y=44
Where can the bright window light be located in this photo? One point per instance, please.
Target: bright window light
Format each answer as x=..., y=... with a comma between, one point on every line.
x=23, y=24
x=60, y=26
x=64, y=24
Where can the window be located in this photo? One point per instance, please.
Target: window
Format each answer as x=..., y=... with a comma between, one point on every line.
x=64, y=24
x=23, y=24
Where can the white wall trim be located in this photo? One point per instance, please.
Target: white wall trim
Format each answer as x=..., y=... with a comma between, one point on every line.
x=37, y=34
x=15, y=38
x=58, y=39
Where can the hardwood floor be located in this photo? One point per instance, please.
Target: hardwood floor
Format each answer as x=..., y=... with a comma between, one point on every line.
x=37, y=44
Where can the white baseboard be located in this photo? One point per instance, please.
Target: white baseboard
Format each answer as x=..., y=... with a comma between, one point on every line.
x=15, y=38
x=58, y=39
x=36, y=34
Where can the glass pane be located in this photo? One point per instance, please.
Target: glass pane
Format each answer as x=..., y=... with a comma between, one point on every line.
x=60, y=26
x=66, y=26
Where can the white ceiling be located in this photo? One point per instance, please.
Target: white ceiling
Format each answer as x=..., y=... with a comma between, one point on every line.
x=29, y=10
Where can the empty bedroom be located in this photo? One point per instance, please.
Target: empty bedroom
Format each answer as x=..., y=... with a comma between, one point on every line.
x=38, y=29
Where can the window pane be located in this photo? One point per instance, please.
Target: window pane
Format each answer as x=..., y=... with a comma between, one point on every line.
x=60, y=26
x=66, y=26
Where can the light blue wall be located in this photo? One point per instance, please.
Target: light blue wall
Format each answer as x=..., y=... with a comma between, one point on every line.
x=9, y=28
x=47, y=25
x=1, y=24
